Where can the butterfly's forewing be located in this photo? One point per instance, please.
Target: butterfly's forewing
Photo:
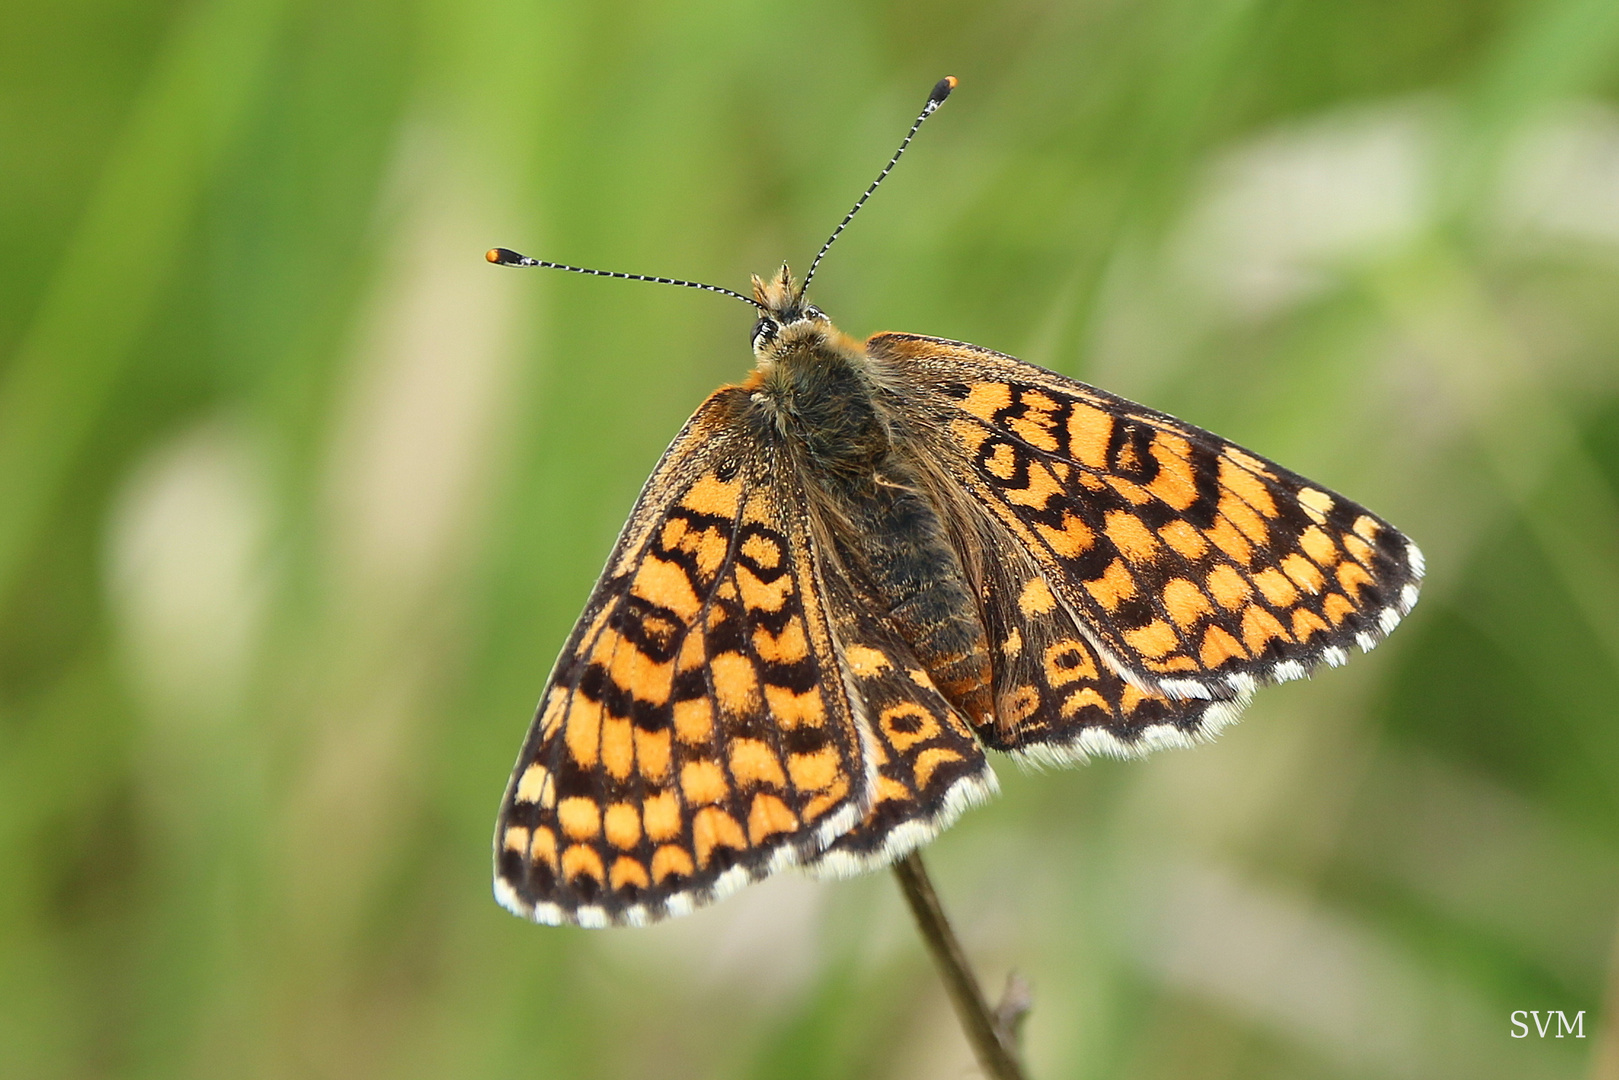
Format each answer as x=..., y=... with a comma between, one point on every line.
x=1197, y=568
x=696, y=732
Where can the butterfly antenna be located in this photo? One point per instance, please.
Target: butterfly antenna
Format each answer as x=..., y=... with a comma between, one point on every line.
x=941, y=90
x=508, y=257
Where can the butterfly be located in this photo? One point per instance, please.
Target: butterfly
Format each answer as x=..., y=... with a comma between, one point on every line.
x=869, y=563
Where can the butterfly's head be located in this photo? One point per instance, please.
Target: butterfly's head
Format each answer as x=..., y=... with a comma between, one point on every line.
x=784, y=318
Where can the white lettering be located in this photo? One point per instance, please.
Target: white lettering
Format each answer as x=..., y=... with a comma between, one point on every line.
x=1561, y=1025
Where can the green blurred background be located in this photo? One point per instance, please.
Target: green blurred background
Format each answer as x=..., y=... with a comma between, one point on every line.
x=298, y=498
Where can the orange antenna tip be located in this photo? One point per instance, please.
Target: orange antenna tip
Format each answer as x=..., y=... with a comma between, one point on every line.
x=508, y=257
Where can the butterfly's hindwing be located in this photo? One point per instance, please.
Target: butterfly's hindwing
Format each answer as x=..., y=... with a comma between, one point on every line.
x=1198, y=568
x=1056, y=699
x=929, y=765
x=696, y=732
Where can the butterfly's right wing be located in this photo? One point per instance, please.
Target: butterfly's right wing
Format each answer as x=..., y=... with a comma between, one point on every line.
x=697, y=731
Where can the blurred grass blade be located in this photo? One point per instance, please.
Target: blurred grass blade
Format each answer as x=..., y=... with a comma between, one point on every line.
x=128, y=241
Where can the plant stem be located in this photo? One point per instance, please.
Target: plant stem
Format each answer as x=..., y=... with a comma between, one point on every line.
x=991, y=1040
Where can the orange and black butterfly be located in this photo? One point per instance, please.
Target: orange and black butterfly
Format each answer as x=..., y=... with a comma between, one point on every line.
x=872, y=561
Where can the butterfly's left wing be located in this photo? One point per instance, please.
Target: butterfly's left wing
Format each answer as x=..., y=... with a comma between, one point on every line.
x=1197, y=568
x=697, y=731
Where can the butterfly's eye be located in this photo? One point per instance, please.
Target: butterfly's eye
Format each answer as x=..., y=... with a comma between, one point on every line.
x=763, y=331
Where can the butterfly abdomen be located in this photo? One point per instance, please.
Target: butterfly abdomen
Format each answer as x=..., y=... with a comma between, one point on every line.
x=887, y=529
x=902, y=547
